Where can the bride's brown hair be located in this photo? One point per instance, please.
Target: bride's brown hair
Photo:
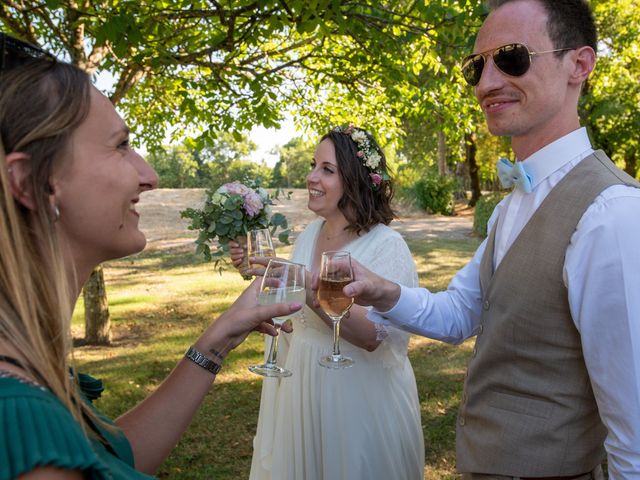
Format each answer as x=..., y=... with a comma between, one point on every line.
x=363, y=203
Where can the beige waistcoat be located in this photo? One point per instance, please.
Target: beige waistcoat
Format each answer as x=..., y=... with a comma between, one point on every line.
x=528, y=408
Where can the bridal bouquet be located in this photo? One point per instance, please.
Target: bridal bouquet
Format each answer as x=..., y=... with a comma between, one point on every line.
x=229, y=213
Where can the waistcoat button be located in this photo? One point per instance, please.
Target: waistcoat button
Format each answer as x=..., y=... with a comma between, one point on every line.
x=486, y=305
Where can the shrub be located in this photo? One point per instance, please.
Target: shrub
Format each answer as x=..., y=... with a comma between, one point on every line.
x=435, y=193
x=484, y=208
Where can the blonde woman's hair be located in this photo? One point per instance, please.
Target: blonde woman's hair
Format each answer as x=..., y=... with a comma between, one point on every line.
x=41, y=105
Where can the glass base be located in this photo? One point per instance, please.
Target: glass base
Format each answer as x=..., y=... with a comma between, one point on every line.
x=335, y=361
x=267, y=370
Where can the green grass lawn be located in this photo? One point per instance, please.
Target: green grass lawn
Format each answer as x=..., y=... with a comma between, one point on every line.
x=159, y=304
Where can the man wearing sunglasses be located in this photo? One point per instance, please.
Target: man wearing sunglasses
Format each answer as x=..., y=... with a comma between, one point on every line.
x=553, y=294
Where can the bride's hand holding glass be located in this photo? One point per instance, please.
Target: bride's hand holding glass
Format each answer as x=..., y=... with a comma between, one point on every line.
x=259, y=245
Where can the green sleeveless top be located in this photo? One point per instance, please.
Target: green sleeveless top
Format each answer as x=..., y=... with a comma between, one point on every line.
x=37, y=430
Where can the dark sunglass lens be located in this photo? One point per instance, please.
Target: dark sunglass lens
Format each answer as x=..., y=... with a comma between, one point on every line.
x=472, y=69
x=512, y=59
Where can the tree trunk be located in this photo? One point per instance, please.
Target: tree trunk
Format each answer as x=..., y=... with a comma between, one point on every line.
x=470, y=152
x=442, y=153
x=97, y=321
x=630, y=163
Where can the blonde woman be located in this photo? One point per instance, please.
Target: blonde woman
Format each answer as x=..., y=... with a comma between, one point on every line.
x=69, y=184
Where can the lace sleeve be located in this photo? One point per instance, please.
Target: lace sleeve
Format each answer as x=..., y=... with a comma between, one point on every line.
x=390, y=258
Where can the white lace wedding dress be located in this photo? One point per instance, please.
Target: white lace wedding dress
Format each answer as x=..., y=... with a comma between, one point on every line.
x=359, y=423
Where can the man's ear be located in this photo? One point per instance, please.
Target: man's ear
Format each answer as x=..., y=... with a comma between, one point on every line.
x=19, y=172
x=584, y=61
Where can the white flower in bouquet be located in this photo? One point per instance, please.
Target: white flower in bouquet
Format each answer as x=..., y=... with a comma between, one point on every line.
x=219, y=197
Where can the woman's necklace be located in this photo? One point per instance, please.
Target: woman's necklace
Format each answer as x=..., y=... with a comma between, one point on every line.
x=338, y=235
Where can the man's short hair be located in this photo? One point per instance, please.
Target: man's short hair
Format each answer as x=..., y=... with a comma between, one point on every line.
x=570, y=24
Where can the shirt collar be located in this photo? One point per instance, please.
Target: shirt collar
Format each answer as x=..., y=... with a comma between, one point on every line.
x=551, y=157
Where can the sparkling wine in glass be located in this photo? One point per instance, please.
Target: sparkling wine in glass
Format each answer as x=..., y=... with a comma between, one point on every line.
x=335, y=273
x=283, y=282
x=259, y=244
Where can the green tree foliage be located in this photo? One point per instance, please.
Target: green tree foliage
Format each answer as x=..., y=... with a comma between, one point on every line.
x=227, y=160
x=197, y=68
x=613, y=93
x=441, y=109
x=175, y=166
x=434, y=192
x=294, y=164
x=484, y=208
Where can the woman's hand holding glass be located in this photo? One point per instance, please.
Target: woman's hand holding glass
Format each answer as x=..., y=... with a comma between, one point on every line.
x=283, y=282
x=246, y=314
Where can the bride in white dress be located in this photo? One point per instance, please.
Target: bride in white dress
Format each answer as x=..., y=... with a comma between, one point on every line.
x=361, y=422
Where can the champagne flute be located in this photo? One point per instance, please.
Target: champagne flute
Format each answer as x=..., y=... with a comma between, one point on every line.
x=259, y=244
x=335, y=273
x=283, y=282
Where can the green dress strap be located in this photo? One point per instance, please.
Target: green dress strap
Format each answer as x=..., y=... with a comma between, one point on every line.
x=36, y=429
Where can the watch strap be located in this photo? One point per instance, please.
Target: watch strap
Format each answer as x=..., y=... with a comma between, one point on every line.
x=198, y=358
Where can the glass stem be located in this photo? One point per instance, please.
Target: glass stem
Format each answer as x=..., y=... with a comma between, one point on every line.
x=273, y=349
x=336, y=338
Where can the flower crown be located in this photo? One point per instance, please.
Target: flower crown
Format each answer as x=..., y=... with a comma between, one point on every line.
x=367, y=153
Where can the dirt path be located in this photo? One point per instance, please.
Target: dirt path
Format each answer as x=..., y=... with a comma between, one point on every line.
x=160, y=218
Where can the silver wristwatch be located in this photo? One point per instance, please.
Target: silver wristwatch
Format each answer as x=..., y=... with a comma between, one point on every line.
x=196, y=357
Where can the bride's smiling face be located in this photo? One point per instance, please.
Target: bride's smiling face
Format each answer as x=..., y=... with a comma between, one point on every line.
x=324, y=181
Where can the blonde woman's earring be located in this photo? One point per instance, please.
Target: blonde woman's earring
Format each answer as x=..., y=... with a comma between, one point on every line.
x=56, y=213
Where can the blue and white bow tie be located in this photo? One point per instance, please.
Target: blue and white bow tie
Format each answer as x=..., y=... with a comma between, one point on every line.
x=511, y=175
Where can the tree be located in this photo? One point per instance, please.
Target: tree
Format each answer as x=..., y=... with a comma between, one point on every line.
x=296, y=157
x=97, y=321
x=175, y=165
x=196, y=68
x=610, y=106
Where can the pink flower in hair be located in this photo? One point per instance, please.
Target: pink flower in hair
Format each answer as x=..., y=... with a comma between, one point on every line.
x=376, y=178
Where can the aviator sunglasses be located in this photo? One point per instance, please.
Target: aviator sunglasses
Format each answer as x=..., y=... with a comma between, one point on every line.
x=513, y=59
x=16, y=52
